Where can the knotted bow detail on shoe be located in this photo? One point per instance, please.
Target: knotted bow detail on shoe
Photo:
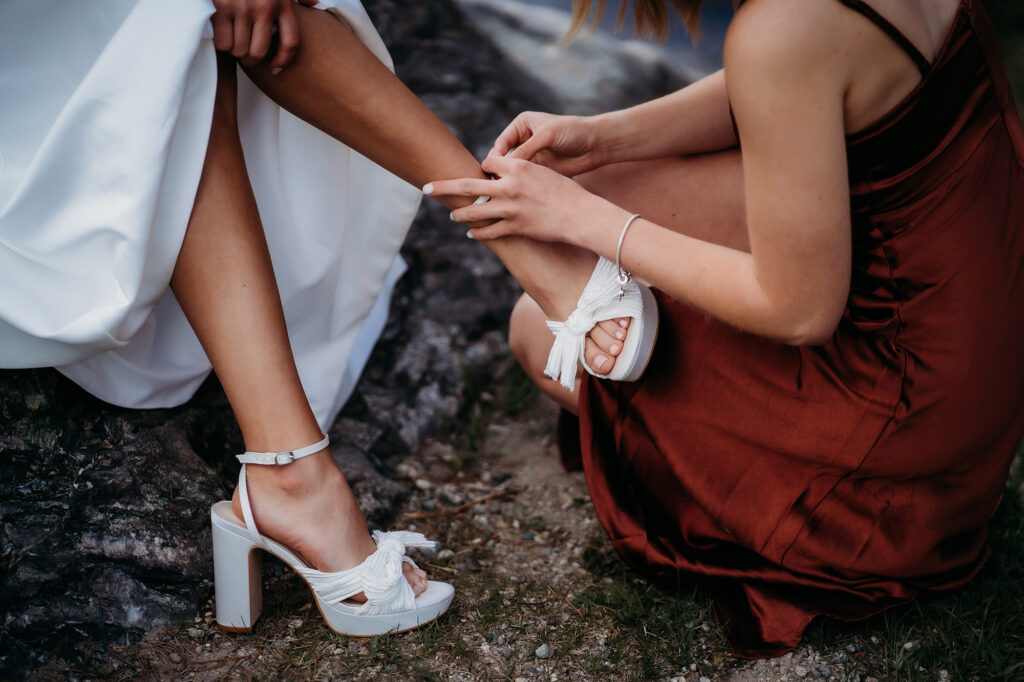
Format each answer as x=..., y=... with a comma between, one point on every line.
x=379, y=577
x=600, y=301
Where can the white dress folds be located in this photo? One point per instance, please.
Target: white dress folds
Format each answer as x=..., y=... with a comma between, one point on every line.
x=105, y=111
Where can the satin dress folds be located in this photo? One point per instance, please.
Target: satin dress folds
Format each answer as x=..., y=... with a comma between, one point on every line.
x=845, y=478
x=105, y=112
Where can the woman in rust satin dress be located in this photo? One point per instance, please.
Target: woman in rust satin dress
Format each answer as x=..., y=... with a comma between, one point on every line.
x=838, y=472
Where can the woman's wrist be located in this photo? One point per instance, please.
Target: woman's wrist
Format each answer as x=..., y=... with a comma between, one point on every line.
x=615, y=139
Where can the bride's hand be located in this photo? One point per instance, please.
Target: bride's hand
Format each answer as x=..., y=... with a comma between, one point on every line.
x=245, y=28
x=526, y=199
x=568, y=145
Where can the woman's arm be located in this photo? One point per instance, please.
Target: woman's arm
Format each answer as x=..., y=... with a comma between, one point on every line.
x=690, y=121
x=693, y=120
x=787, y=81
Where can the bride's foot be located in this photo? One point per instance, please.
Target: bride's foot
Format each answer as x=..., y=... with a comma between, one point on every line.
x=309, y=507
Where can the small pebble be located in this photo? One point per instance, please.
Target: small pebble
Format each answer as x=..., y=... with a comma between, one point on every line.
x=445, y=554
x=428, y=504
x=423, y=484
x=800, y=671
x=175, y=657
x=353, y=648
x=543, y=651
x=528, y=536
x=824, y=671
x=195, y=633
x=704, y=679
x=909, y=645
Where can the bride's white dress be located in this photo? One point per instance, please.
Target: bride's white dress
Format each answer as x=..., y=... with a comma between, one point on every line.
x=105, y=111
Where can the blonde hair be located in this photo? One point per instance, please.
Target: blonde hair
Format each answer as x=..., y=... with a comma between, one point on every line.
x=650, y=17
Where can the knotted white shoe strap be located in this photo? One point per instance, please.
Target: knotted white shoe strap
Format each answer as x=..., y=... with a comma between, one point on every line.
x=600, y=301
x=278, y=458
x=379, y=577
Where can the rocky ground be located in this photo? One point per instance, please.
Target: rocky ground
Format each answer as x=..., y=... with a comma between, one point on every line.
x=540, y=593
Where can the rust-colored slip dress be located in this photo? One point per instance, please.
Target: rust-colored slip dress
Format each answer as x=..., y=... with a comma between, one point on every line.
x=843, y=479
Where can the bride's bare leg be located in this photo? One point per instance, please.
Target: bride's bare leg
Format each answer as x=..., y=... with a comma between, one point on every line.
x=225, y=284
x=339, y=86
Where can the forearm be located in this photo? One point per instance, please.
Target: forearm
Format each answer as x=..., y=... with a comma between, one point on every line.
x=693, y=120
x=718, y=280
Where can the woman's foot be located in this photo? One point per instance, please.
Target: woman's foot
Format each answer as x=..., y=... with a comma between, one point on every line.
x=558, y=295
x=308, y=506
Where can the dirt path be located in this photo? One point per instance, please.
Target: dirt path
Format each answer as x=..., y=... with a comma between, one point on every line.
x=541, y=594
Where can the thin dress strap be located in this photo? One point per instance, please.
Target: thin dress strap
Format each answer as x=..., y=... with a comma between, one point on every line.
x=881, y=22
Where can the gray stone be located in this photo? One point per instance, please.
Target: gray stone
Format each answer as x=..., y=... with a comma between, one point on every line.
x=543, y=651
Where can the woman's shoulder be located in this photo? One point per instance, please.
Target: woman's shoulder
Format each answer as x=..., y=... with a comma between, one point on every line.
x=782, y=39
x=786, y=29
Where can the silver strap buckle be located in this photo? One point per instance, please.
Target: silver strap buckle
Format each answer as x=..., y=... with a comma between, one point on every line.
x=288, y=458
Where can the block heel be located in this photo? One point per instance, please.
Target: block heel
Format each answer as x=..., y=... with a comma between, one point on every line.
x=237, y=573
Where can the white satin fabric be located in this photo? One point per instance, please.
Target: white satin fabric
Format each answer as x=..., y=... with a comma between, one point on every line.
x=105, y=111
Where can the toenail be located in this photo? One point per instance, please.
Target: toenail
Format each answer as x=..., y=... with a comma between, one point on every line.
x=600, y=361
x=623, y=322
x=619, y=334
x=613, y=349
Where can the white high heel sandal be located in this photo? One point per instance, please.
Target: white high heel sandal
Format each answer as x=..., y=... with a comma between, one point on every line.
x=610, y=293
x=390, y=603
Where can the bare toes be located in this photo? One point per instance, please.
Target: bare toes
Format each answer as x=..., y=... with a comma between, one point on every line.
x=598, y=360
x=606, y=342
x=613, y=329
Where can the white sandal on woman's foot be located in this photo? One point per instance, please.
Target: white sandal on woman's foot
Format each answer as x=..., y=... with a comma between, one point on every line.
x=610, y=294
x=390, y=603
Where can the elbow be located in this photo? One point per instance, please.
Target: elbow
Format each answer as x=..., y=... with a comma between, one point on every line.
x=812, y=331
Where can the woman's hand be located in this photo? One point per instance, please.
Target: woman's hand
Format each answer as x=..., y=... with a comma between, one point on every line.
x=526, y=199
x=568, y=145
x=245, y=28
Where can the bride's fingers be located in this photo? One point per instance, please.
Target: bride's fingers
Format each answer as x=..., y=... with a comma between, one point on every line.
x=223, y=32
x=242, y=32
x=287, y=39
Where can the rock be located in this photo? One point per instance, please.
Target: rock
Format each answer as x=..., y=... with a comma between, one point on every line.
x=800, y=671
x=543, y=651
x=174, y=657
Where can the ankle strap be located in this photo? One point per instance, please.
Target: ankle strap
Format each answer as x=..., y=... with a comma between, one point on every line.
x=282, y=458
x=278, y=458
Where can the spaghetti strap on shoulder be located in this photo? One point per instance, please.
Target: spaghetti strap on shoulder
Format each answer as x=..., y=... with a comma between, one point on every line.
x=885, y=25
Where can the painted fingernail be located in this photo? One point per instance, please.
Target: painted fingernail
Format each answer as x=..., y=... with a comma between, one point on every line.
x=613, y=349
x=276, y=70
x=428, y=188
x=619, y=334
x=469, y=233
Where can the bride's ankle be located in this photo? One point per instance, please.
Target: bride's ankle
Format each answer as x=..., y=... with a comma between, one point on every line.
x=301, y=477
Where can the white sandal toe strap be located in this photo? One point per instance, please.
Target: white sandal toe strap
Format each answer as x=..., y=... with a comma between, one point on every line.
x=379, y=577
x=600, y=300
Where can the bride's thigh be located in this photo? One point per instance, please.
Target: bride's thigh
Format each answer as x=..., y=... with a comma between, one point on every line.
x=701, y=196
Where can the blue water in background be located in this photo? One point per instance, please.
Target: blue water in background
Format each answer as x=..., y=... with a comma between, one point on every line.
x=706, y=55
